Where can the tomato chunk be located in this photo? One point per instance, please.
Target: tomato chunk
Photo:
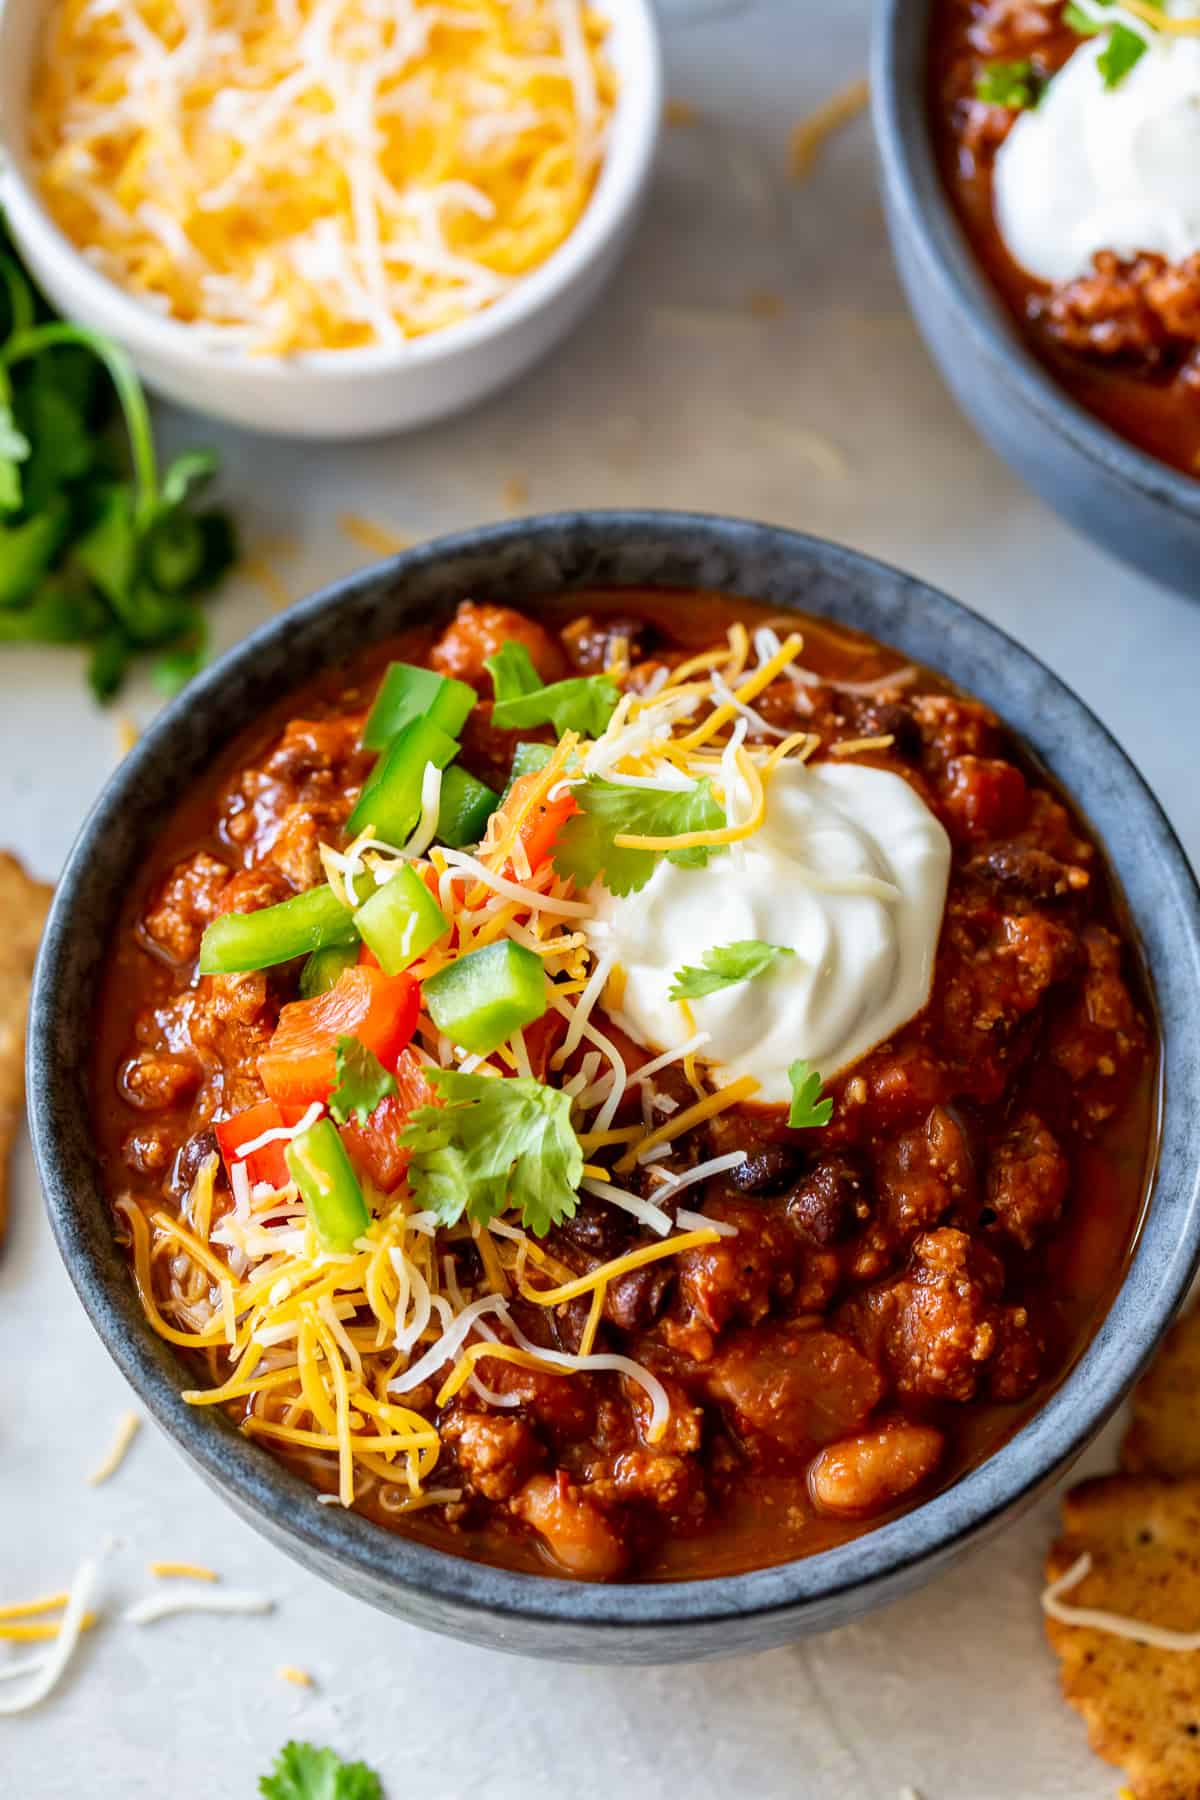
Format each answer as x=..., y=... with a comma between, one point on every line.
x=267, y=1163
x=543, y=822
x=380, y=1010
x=375, y=1147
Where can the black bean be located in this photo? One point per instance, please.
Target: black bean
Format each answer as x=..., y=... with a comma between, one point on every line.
x=766, y=1171
x=831, y=1202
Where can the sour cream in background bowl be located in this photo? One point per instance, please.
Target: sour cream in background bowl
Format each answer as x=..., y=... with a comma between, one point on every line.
x=1136, y=506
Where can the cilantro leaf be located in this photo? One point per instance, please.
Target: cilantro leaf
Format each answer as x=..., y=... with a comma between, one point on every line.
x=494, y=1143
x=726, y=965
x=1124, y=50
x=807, y=1109
x=304, y=1772
x=584, y=703
x=362, y=1082
x=585, y=847
x=1013, y=84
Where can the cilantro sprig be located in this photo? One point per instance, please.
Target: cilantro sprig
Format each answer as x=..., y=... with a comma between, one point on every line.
x=724, y=966
x=584, y=703
x=494, y=1144
x=304, y=1772
x=1018, y=84
x=585, y=847
x=95, y=548
x=807, y=1110
x=1124, y=50
x=362, y=1082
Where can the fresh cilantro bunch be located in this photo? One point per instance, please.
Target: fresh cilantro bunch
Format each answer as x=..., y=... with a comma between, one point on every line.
x=725, y=966
x=494, y=1143
x=585, y=848
x=95, y=548
x=584, y=703
x=304, y=1772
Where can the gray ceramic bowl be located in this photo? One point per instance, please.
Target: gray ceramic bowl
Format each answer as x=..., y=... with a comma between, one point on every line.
x=1130, y=502
x=510, y=563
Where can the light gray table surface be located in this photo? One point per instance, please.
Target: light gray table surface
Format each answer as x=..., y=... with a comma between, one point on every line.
x=829, y=417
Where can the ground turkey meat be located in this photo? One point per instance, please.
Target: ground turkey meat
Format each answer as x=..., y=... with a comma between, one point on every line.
x=1027, y=1182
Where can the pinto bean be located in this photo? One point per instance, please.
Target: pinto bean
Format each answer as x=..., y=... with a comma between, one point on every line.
x=863, y=1475
x=577, y=1533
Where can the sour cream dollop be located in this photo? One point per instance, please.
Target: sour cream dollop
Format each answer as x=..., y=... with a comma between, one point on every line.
x=849, y=871
x=1092, y=168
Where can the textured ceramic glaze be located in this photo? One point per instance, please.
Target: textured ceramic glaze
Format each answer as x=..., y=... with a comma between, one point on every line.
x=510, y=563
x=1128, y=501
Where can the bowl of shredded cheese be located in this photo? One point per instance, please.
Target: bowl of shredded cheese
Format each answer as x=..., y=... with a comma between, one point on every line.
x=327, y=218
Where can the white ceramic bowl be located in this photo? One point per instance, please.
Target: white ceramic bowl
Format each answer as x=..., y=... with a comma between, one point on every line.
x=348, y=393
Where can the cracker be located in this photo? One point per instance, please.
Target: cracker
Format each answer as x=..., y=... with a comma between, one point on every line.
x=1141, y=1704
x=23, y=906
x=1164, y=1435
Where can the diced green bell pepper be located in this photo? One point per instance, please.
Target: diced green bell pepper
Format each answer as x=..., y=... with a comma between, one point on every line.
x=324, y=969
x=527, y=758
x=390, y=802
x=466, y=807
x=401, y=920
x=480, y=999
x=319, y=1166
x=406, y=693
x=275, y=934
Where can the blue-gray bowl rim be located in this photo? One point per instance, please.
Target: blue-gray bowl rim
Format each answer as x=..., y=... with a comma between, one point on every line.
x=262, y=1487
x=900, y=116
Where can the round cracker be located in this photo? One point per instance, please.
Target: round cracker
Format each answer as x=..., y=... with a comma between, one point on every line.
x=1164, y=1433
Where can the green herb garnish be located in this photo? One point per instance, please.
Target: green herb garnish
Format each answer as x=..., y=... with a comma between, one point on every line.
x=807, y=1110
x=303, y=1772
x=91, y=554
x=1013, y=84
x=1124, y=50
x=584, y=703
x=585, y=847
x=362, y=1082
x=726, y=965
x=492, y=1145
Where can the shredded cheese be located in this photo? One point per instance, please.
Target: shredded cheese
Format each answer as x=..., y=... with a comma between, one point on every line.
x=297, y=1677
x=621, y=1265
x=707, y=1108
x=169, y=1571
x=1139, y=1631
x=295, y=175
x=127, y=1429
x=196, y=1600
x=372, y=536
x=808, y=137
x=48, y=1670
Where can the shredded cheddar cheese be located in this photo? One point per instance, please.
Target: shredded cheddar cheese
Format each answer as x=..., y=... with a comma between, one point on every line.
x=127, y=1429
x=810, y=134
x=186, y=1571
x=297, y=175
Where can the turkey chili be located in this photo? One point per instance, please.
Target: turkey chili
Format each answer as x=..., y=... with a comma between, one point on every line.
x=1068, y=142
x=639, y=1089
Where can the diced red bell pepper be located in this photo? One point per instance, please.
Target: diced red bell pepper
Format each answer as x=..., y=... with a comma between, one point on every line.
x=375, y=1147
x=268, y=1163
x=300, y=1065
x=541, y=825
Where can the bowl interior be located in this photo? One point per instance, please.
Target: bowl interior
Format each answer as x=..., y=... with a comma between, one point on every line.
x=899, y=94
x=633, y=47
x=510, y=563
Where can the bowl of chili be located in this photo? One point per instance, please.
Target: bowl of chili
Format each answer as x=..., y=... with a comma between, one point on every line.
x=1098, y=424
x=870, y=1273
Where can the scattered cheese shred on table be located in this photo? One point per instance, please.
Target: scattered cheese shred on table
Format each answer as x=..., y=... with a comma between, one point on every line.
x=47, y=1670
x=297, y=1677
x=196, y=1600
x=127, y=1430
x=810, y=134
x=319, y=174
x=170, y=1571
x=372, y=536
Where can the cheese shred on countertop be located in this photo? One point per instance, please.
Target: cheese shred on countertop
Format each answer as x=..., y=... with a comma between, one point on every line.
x=297, y=175
x=127, y=1429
